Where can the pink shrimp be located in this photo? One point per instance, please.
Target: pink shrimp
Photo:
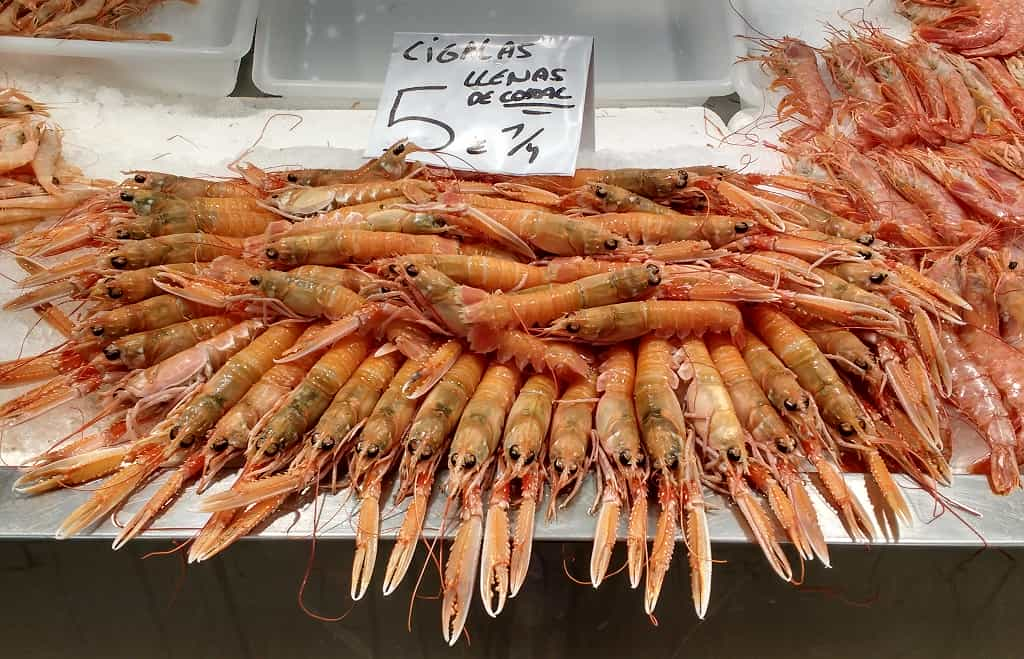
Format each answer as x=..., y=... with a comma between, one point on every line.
x=920, y=70
x=881, y=55
x=1006, y=369
x=893, y=215
x=960, y=178
x=1012, y=39
x=997, y=73
x=992, y=110
x=942, y=210
x=866, y=102
x=961, y=112
x=981, y=24
x=796, y=68
x=976, y=395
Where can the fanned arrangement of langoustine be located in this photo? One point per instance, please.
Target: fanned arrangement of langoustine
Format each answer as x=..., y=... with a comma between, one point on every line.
x=95, y=20
x=674, y=332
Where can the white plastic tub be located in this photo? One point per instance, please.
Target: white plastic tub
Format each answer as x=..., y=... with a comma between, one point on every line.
x=210, y=39
x=655, y=52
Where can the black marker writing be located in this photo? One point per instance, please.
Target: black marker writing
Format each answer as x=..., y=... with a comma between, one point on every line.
x=508, y=77
x=419, y=51
x=527, y=144
x=548, y=93
x=479, y=98
x=394, y=119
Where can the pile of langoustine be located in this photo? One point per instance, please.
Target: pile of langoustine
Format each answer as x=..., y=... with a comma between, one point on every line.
x=674, y=331
x=516, y=332
x=95, y=20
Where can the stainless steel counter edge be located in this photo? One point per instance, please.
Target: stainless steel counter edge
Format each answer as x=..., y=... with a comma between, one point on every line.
x=998, y=520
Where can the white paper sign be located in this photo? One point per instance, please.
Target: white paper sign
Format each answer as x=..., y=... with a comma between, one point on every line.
x=513, y=104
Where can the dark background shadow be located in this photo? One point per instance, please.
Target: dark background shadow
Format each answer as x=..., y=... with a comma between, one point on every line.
x=81, y=599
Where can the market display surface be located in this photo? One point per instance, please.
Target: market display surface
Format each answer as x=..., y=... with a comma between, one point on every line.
x=499, y=346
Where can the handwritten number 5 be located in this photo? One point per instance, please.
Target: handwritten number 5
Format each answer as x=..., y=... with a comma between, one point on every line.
x=426, y=120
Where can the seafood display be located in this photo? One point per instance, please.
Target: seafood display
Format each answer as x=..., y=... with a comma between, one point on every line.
x=94, y=20
x=401, y=333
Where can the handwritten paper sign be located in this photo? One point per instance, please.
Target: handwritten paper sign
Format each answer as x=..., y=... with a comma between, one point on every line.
x=513, y=104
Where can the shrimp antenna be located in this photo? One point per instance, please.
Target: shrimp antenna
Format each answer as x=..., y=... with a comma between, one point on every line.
x=298, y=121
x=732, y=6
x=317, y=511
x=439, y=155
